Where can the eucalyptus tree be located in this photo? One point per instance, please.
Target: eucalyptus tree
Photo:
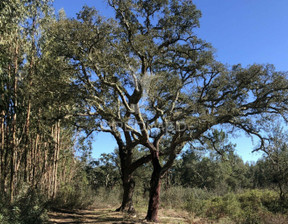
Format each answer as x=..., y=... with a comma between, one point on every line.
x=30, y=85
x=19, y=22
x=150, y=80
x=10, y=61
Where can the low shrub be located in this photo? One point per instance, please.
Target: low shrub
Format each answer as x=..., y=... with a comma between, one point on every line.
x=73, y=197
x=252, y=206
x=192, y=200
x=28, y=207
x=225, y=206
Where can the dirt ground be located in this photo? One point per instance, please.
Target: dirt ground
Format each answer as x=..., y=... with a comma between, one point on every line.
x=109, y=216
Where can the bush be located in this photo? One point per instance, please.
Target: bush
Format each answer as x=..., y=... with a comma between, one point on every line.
x=173, y=196
x=222, y=207
x=192, y=200
x=252, y=206
x=73, y=197
x=28, y=207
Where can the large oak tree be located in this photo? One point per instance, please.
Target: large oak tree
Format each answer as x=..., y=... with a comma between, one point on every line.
x=149, y=80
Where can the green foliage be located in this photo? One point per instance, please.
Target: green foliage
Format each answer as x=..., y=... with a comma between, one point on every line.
x=219, y=173
x=248, y=207
x=220, y=207
x=144, y=68
x=186, y=86
x=271, y=171
x=192, y=200
x=75, y=196
x=29, y=207
x=104, y=172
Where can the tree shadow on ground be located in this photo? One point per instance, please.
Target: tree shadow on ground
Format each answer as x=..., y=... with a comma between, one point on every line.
x=91, y=216
x=109, y=216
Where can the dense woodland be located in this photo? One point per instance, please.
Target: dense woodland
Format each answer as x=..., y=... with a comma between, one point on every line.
x=148, y=80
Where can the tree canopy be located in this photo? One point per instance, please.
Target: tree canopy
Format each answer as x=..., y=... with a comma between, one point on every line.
x=143, y=76
x=150, y=80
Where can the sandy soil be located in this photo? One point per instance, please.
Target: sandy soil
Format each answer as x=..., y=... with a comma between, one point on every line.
x=109, y=216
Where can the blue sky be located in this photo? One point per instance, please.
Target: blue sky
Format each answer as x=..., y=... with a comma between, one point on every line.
x=241, y=31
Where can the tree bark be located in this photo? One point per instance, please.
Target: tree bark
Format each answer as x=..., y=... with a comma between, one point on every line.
x=2, y=167
x=27, y=122
x=155, y=186
x=55, y=160
x=128, y=184
x=13, y=162
x=2, y=138
x=27, y=142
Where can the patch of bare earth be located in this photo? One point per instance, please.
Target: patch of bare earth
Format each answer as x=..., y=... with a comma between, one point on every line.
x=104, y=215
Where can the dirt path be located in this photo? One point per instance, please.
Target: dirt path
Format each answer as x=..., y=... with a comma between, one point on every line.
x=109, y=216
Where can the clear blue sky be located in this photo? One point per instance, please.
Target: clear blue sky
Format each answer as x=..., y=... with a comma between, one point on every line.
x=241, y=31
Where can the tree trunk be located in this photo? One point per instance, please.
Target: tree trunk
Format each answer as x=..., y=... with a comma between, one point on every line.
x=155, y=186
x=13, y=158
x=128, y=184
x=27, y=123
x=2, y=167
x=6, y=164
x=27, y=142
x=55, y=160
x=34, y=158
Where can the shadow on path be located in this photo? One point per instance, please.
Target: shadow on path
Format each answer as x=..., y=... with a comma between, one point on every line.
x=91, y=216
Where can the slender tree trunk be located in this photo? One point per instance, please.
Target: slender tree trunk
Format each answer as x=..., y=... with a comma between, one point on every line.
x=6, y=163
x=2, y=151
x=13, y=162
x=34, y=161
x=2, y=120
x=51, y=168
x=27, y=122
x=155, y=186
x=45, y=169
x=27, y=141
x=56, y=158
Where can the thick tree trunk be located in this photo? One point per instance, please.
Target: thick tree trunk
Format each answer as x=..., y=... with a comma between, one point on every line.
x=155, y=186
x=128, y=191
x=128, y=182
